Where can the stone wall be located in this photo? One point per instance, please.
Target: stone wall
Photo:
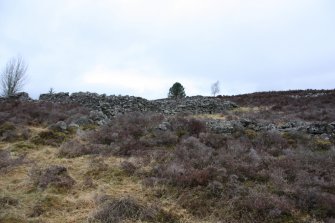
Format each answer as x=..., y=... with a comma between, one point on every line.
x=113, y=105
x=194, y=105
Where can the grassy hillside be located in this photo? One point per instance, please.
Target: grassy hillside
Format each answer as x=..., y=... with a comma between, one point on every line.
x=154, y=168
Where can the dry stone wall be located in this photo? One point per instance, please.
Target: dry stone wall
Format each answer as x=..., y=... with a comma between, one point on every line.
x=113, y=105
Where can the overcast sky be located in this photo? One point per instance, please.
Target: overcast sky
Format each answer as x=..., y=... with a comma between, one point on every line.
x=141, y=47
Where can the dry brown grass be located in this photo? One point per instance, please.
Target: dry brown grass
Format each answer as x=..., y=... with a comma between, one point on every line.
x=75, y=204
x=186, y=173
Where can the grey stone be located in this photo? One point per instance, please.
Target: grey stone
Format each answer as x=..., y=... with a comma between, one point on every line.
x=73, y=126
x=115, y=105
x=99, y=117
x=219, y=126
x=59, y=126
x=82, y=120
x=21, y=96
x=253, y=155
x=319, y=128
x=164, y=126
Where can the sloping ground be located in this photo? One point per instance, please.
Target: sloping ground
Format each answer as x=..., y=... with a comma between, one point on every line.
x=307, y=105
x=154, y=168
x=25, y=197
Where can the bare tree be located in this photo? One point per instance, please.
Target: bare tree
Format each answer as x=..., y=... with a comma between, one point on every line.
x=13, y=76
x=215, y=88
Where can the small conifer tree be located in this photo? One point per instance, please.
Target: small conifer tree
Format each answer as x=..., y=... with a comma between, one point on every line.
x=177, y=91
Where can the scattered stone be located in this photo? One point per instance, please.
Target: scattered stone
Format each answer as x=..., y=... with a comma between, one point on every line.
x=59, y=126
x=73, y=126
x=21, y=96
x=98, y=117
x=164, y=126
x=219, y=127
x=318, y=128
x=82, y=120
x=253, y=155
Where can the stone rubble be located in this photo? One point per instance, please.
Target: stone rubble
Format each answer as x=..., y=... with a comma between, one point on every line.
x=104, y=107
x=115, y=105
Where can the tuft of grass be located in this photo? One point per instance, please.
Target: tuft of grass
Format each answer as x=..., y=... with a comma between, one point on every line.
x=44, y=203
x=7, y=126
x=7, y=160
x=23, y=146
x=75, y=148
x=56, y=176
x=52, y=138
x=322, y=145
x=127, y=208
x=251, y=134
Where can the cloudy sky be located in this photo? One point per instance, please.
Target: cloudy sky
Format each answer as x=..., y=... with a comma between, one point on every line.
x=141, y=47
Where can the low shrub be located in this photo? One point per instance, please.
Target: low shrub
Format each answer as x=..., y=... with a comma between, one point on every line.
x=190, y=164
x=7, y=161
x=9, y=132
x=56, y=176
x=214, y=140
x=160, y=138
x=75, y=148
x=6, y=127
x=321, y=144
x=251, y=134
x=52, y=138
x=6, y=201
x=23, y=146
x=128, y=167
x=38, y=112
x=187, y=126
x=127, y=127
x=96, y=166
x=127, y=208
x=318, y=203
x=45, y=203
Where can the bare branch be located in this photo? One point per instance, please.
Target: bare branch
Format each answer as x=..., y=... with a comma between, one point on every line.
x=13, y=77
x=215, y=88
